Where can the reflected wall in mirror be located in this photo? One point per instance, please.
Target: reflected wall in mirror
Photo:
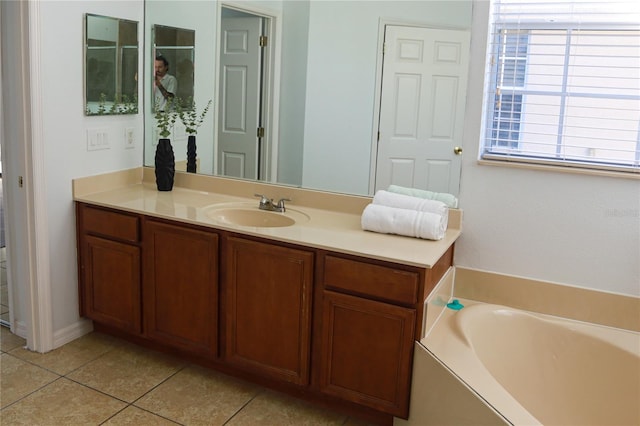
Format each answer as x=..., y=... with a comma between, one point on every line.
x=111, y=65
x=174, y=59
x=330, y=72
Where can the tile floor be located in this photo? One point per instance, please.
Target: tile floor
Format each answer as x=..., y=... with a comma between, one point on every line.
x=101, y=380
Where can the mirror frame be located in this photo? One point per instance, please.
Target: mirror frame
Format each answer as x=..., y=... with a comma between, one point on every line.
x=122, y=100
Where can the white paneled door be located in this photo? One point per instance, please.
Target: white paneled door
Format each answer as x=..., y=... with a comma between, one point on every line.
x=422, y=108
x=240, y=85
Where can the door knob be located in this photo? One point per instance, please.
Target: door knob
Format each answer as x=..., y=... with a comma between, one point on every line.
x=457, y=150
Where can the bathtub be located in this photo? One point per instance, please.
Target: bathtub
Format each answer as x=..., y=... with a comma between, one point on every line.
x=537, y=369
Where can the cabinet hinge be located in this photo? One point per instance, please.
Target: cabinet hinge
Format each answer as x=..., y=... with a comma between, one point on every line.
x=261, y=132
x=263, y=41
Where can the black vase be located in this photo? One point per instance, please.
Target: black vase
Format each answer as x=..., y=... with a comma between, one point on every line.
x=191, y=154
x=165, y=165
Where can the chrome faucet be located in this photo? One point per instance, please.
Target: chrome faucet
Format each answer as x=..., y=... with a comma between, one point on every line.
x=267, y=204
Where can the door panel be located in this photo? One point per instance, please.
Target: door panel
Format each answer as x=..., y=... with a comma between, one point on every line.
x=181, y=287
x=366, y=352
x=240, y=85
x=112, y=283
x=268, y=309
x=422, y=108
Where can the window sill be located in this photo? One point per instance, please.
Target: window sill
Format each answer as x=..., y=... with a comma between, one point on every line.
x=561, y=168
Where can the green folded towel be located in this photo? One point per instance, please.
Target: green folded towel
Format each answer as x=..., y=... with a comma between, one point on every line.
x=449, y=199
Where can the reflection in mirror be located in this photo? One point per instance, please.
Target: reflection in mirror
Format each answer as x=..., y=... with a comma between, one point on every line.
x=330, y=104
x=111, y=65
x=245, y=126
x=174, y=55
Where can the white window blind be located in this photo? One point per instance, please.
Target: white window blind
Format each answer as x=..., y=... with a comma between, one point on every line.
x=563, y=83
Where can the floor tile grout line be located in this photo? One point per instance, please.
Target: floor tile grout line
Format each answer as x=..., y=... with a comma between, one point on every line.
x=114, y=414
x=48, y=368
x=262, y=391
x=113, y=396
x=158, y=384
x=127, y=403
x=94, y=389
x=132, y=403
x=148, y=411
x=32, y=392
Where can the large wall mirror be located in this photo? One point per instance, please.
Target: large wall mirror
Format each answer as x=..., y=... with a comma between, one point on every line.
x=324, y=77
x=111, y=65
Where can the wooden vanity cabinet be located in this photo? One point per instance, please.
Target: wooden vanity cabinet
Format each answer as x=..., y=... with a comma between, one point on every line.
x=267, y=295
x=180, y=288
x=329, y=326
x=366, y=331
x=109, y=267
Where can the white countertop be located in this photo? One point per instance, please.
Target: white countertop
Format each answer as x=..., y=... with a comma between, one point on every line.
x=326, y=229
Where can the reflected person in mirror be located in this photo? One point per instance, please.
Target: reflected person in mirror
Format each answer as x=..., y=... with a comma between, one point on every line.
x=165, y=85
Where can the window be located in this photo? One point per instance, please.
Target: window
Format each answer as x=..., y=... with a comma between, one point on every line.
x=564, y=83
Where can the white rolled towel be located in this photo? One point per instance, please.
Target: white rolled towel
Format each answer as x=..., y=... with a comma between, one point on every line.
x=411, y=223
x=402, y=201
x=449, y=199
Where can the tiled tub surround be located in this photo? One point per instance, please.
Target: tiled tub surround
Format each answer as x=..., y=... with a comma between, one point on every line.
x=549, y=369
x=348, y=302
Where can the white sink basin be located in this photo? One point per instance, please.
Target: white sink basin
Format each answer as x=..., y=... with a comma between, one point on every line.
x=248, y=214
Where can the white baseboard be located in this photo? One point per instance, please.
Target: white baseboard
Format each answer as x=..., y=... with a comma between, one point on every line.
x=72, y=332
x=20, y=329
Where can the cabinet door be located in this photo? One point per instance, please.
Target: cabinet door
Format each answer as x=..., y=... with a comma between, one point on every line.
x=268, y=309
x=366, y=352
x=111, y=283
x=181, y=287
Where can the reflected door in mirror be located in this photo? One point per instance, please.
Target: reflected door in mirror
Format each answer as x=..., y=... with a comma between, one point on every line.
x=423, y=101
x=240, y=94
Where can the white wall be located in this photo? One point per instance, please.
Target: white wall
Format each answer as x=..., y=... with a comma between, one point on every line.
x=574, y=229
x=64, y=128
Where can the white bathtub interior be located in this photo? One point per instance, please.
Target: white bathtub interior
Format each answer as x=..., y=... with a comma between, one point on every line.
x=481, y=353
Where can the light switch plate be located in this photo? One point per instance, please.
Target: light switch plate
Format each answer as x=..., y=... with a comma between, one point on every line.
x=97, y=139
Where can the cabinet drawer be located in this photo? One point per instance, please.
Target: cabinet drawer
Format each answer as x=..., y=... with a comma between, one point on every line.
x=378, y=281
x=110, y=224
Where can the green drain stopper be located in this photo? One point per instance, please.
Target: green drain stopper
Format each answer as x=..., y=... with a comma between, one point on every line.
x=455, y=305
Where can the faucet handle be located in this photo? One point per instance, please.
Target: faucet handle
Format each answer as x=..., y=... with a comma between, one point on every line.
x=280, y=204
x=265, y=202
